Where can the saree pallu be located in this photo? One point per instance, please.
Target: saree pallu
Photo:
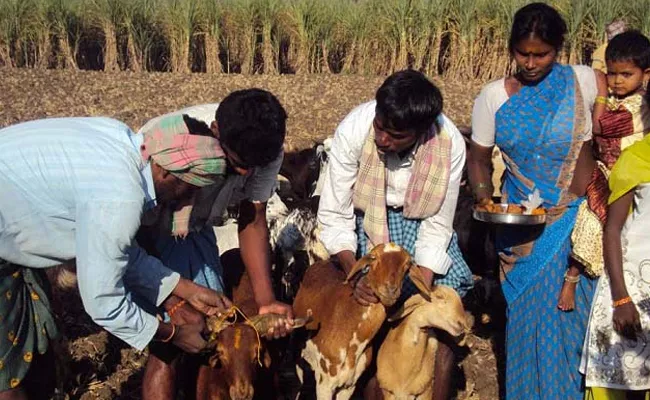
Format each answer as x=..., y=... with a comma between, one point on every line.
x=26, y=321
x=540, y=131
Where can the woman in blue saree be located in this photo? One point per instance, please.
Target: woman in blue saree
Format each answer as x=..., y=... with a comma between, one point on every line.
x=540, y=118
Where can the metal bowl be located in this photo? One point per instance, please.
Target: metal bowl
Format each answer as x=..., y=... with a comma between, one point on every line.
x=508, y=219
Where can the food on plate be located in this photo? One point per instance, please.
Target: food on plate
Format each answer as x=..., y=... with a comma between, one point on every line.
x=508, y=209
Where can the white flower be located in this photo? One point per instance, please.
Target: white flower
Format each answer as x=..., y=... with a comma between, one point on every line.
x=534, y=201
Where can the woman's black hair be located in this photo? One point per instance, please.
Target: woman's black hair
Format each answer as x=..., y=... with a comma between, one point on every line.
x=630, y=46
x=539, y=20
x=252, y=123
x=408, y=102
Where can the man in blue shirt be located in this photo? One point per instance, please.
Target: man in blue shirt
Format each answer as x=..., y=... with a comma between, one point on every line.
x=78, y=188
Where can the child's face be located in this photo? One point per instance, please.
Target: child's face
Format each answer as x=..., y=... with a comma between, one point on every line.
x=624, y=78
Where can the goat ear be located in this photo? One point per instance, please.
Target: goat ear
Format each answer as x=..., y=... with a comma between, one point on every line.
x=214, y=360
x=420, y=282
x=407, y=308
x=266, y=359
x=363, y=263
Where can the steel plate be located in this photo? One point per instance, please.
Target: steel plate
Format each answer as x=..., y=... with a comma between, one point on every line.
x=509, y=219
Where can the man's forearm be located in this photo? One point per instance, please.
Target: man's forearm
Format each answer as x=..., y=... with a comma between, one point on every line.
x=255, y=255
x=347, y=260
x=254, y=246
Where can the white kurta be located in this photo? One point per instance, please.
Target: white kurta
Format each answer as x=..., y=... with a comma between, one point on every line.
x=608, y=359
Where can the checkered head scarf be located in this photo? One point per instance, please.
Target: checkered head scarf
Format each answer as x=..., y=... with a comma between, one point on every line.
x=195, y=159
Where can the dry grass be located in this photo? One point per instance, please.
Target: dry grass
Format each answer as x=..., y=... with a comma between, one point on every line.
x=315, y=103
x=103, y=367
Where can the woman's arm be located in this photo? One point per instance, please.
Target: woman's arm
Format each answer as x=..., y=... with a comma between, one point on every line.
x=480, y=168
x=584, y=170
x=626, y=317
x=612, y=250
x=600, y=103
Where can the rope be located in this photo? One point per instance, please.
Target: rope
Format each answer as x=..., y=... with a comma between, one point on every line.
x=232, y=313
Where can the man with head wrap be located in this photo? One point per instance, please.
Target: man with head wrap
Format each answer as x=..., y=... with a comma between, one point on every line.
x=250, y=126
x=77, y=188
x=598, y=57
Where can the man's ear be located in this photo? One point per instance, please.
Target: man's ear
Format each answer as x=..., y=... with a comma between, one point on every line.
x=215, y=129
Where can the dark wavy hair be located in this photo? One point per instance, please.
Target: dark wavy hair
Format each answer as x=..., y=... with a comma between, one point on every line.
x=630, y=46
x=408, y=101
x=539, y=20
x=252, y=123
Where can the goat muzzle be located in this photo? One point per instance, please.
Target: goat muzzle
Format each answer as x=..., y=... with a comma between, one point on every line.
x=241, y=390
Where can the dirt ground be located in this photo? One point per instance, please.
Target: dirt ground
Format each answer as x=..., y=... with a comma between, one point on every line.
x=102, y=366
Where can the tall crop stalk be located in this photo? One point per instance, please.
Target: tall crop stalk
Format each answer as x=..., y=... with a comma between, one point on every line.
x=240, y=34
x=209, y=25
x=178, y=19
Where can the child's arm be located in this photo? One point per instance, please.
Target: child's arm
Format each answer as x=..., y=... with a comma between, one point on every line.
x=626, y=317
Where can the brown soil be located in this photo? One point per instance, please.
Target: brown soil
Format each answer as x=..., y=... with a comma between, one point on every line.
x=102, y=366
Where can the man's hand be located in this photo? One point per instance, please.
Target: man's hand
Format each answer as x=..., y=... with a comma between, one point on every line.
x=626, y=321
x=188, y=338
x=283, y=326
x=363, y=294
x=209, y=302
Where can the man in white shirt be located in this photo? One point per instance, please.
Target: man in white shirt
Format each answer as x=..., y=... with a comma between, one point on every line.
x=403, y=139
x=251, y=126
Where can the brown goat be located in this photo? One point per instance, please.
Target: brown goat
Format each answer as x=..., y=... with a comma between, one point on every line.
x=406, y=358
x=233, y=366
x=338, y=349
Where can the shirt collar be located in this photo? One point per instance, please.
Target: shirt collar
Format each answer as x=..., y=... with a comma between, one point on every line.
x=145, y=173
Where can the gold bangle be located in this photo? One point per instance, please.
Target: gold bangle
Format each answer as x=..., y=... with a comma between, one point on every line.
x=601, y=100
x=170, y=336
x=571, y=279
x=622, y=301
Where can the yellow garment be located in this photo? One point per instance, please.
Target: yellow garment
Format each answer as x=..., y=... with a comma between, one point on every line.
x=598, y=59
x=631, y=169
x=600, y=393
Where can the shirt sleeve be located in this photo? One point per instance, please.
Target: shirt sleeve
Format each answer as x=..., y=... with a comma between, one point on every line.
x=435, y=232
x=336, y=211
x=259, y=187
x=483, y=125
x=108, y=263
